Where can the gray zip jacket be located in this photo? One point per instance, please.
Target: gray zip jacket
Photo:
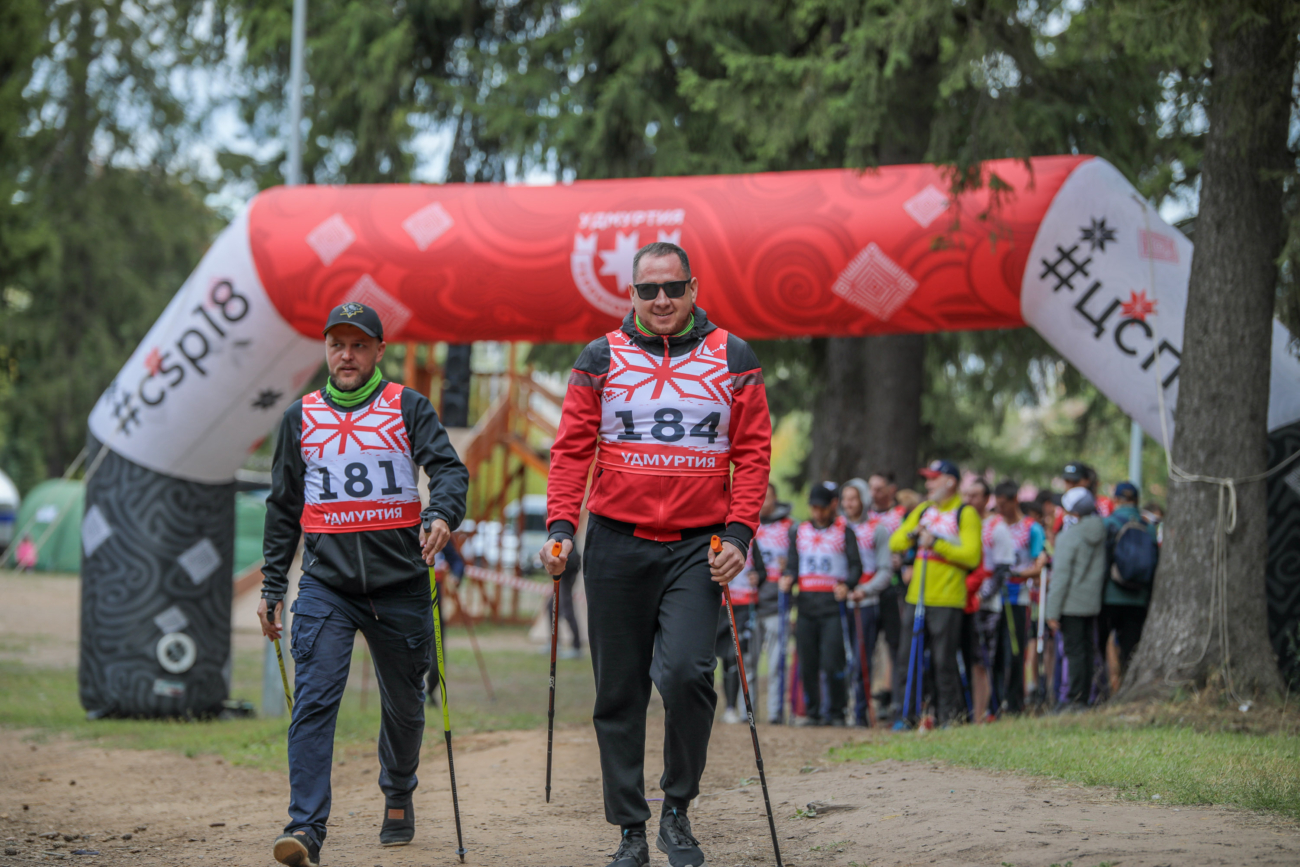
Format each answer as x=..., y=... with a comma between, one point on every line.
x=1078, y=570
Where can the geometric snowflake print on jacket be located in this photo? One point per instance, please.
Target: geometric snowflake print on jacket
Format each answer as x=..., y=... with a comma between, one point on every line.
x=875, y=282
x=331, y=238
x=392, y=313
x=636, y=375
x=378, y=426
x=926, y=206
x=427, y=225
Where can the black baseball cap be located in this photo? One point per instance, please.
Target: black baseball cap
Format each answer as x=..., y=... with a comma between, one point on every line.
x=358, y=314
x=941, y=468
x=823, y=494
x=1075, y=472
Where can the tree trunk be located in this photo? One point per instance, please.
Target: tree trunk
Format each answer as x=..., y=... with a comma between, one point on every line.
x=867, y=417
x=1223, y=395
x=455, y=385
x=868, y=413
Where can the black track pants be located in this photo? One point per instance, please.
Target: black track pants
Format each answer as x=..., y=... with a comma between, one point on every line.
x=1079, y=650
x=943, y=640
x=1015, y=638
x=821, y=648
x=652, y=613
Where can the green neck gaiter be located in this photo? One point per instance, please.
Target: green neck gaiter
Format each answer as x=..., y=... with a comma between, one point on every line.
x=349, y=399
x=690, y=323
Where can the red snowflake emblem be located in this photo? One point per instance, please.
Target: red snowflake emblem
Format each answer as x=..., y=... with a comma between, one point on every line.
x=153, y=362
x=699, y=375
x=1138, y=306
x=379, y=427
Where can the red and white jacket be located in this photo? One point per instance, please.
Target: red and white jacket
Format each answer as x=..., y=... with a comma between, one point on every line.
x=665, y=420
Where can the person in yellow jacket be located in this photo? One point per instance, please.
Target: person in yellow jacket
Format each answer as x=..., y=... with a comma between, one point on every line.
x=946, y=536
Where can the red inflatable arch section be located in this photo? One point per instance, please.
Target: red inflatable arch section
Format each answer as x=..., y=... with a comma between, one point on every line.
x=1067, y=246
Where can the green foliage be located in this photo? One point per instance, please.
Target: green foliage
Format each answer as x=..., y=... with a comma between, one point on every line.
x=1173, y=764
x=100, y=223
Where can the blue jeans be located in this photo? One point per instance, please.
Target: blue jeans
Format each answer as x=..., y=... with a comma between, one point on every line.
x=398, y=625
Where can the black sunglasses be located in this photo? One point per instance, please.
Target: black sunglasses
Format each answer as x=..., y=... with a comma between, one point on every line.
x=650, y=291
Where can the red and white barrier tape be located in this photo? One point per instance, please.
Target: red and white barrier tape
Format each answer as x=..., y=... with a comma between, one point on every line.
x=541, y=588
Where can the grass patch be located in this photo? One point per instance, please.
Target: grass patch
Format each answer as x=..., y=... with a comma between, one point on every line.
x=45, y=701
x=1139, y=759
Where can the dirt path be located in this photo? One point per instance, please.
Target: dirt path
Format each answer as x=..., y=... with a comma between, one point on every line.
x=189, y=811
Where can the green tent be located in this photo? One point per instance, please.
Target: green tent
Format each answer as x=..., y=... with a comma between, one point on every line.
x=250, y=518
x=51, y=515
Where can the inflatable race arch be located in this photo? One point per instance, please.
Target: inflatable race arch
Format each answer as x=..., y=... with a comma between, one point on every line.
x=1067, y=247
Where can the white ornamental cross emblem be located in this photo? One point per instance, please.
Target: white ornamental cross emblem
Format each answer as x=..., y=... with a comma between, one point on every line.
x=613, y=237
x=379, y=427
x=701, y=375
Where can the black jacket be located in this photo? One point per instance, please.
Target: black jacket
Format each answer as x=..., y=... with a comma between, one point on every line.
x=363, y=561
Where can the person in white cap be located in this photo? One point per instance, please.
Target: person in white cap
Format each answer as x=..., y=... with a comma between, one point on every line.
x=1074, y=596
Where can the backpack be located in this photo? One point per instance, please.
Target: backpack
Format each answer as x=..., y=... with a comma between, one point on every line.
x=1134, y=557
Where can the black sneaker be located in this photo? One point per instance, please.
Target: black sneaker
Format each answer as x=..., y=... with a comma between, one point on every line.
x=297, y=850
x=632, y=851
x=399, y=823
x=675, y=840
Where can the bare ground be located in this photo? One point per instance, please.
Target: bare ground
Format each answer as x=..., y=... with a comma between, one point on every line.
x=180, y=810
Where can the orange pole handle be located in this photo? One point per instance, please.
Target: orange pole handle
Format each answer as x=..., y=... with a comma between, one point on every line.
x=716, y=544
x=556, y=548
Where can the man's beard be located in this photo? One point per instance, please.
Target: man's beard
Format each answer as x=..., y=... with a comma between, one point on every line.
x=364, y=377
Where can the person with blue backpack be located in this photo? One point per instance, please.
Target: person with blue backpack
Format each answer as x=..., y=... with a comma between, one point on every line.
x=1075, y=590
x=1132, y=554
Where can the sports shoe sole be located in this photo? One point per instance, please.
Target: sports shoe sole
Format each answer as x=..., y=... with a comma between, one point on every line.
x=659, y=844
x=293, y=853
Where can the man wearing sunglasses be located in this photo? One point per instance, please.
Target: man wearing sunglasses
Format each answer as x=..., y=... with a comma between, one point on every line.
x=666, y=405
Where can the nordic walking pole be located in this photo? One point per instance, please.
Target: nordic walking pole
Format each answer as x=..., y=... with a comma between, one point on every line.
x=916, y=659
x=284, y=678
x=1042, y=609
x=556, y=548
x=755, y=646
x=715, y=544
x=473, y=642
x=864, y=667
x=446, y=715
x=782, y=639
x=848, y=651
x=920, y=654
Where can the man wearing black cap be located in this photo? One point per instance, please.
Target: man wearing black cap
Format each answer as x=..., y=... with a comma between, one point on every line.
x=345, y=476
x=1124, y=602
x=824, y=560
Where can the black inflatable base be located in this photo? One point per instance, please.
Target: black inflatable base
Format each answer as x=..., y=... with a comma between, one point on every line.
x=157, y=555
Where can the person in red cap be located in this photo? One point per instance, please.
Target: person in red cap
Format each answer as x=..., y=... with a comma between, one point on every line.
x=946, y=535
x=666, y=405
